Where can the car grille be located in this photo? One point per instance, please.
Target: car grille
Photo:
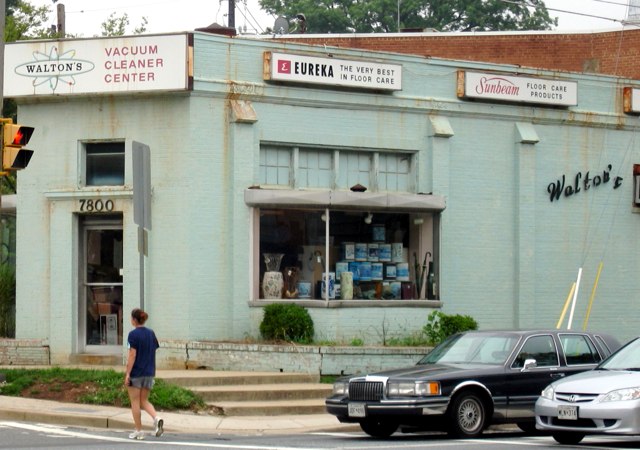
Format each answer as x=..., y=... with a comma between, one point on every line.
x=366, y=390
x=575, y=398
x=580, y=423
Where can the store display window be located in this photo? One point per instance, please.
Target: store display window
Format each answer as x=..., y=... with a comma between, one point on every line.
x=331, y=255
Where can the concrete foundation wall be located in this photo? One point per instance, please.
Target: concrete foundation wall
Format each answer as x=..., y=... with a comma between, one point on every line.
x=311, y=359
x=285, y=358
x=23, y=352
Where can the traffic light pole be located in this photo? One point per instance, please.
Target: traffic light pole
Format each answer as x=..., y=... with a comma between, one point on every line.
x=3, y=8
x=2, y=26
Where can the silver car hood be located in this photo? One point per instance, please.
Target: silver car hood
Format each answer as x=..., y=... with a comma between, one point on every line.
x=598, y=382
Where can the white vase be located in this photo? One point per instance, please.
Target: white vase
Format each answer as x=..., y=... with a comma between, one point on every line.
x=346, y=285
x=331, y=288
x=272, y=285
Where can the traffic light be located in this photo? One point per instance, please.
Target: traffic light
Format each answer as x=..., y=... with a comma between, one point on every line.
x=14, y=157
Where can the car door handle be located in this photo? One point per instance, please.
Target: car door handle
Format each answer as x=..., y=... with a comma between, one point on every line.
x=557, y=375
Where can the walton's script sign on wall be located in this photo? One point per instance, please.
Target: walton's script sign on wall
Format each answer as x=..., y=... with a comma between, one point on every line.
x=331, y=71
x=94, y=66
x=492, y=86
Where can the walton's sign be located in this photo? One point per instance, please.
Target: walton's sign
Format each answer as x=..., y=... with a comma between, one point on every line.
x=94, y=66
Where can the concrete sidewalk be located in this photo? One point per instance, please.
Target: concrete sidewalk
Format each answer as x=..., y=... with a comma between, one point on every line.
x=91, y=416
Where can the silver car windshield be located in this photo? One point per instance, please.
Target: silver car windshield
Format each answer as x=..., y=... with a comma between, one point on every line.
x=477, y=348
x=627, y=358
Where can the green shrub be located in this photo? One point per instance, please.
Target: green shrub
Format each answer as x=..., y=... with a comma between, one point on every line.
x=440, y=326
x=288, y=322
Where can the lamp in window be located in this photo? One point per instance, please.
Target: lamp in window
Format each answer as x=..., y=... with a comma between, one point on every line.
x=368, y=218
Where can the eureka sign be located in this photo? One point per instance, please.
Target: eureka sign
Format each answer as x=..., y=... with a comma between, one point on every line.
x=332, y=71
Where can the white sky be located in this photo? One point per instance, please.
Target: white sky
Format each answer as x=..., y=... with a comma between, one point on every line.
x=84, y=17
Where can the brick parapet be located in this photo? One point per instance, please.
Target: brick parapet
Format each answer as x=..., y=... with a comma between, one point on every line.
x=610, y=52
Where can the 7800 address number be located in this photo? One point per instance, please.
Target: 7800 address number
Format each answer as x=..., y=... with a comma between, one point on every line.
x=96, y=206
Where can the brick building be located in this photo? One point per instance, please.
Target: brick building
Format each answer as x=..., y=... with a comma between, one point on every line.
x=607, y=52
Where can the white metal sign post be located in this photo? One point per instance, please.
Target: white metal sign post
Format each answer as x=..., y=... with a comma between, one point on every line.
x=142, y=202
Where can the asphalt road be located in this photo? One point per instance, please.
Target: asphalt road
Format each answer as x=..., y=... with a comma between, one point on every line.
x=27, y=436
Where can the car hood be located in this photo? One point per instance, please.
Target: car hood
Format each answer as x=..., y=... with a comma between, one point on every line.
x=438, y=371
x=598, y=382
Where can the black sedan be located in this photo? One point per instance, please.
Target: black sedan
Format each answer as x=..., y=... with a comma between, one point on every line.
x=468, y=382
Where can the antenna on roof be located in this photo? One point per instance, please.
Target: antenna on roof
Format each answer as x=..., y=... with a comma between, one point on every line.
x=281, y=26
x=633, y=13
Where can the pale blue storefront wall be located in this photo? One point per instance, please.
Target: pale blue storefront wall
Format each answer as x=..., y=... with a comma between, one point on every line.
x=508, y=254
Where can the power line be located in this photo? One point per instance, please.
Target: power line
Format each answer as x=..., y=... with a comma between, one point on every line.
x=528, y=3
x=145, y=5
x=255, y=23
x=610, y=2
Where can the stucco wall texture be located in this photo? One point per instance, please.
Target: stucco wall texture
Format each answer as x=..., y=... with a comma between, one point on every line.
x=508, y=253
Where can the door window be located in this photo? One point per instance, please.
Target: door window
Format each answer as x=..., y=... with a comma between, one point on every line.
x=540, y=348
x=578, y=349
x=103, y=284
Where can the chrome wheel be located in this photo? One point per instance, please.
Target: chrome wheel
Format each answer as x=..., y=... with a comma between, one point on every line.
x=468, y=416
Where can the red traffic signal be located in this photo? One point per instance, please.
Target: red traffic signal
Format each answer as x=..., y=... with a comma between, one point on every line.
x=15, y=157
x=22, y=135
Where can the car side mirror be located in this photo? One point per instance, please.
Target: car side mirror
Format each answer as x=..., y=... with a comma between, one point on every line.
x=529, y=364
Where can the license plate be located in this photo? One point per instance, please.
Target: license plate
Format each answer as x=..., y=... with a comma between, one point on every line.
x=566, y=412
x=357, y=410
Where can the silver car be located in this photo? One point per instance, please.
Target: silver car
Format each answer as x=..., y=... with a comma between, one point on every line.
x=605, y=400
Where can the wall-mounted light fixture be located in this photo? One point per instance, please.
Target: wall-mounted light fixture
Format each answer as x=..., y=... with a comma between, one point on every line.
x=368, y=218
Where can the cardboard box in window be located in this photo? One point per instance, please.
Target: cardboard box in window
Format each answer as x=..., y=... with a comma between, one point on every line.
x=109, y=329
x=102, y=294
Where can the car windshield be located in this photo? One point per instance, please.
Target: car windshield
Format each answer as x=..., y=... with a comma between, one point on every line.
x=478, y=348
x=627, y=358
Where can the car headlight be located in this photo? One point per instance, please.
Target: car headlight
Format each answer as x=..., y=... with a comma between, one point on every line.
x=412, y=388
x=548, y=392
x=341, y=388
x=622, y=394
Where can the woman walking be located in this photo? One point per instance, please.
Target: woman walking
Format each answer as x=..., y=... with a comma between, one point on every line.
x=140, y=372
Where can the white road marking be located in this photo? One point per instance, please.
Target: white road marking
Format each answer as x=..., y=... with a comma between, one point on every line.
x=63, y=432
x=503, y=442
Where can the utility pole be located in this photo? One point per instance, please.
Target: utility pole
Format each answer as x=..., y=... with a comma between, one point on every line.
x=232, y=14
x=61, y=21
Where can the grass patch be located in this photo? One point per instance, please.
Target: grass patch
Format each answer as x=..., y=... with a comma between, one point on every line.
x=413, y=340
x=95, y=387
x=329, y=379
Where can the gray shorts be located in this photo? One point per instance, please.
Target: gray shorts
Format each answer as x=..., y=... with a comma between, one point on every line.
x=142, y=382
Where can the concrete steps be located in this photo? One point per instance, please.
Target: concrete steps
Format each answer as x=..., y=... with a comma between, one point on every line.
x=263, y=392
x=254, y=393
x=192, y=378
x=273, y=407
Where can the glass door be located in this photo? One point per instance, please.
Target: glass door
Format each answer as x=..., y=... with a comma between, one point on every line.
x=101, y=283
